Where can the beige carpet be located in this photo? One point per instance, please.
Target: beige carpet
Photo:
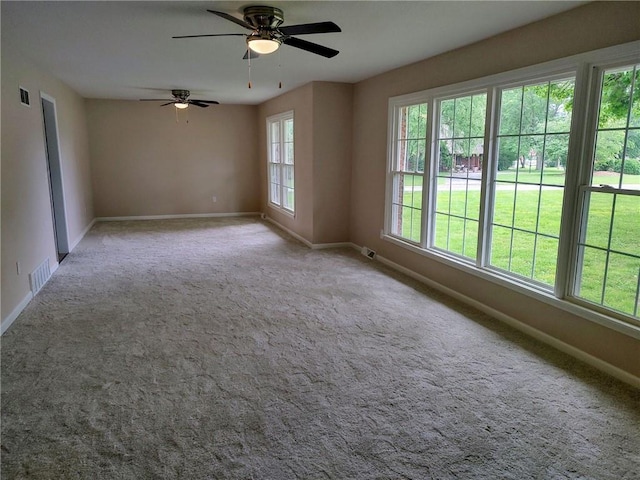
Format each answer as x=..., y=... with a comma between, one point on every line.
x=223, y=349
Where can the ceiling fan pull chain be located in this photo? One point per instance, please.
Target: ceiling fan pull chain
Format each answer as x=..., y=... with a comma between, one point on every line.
x=176, y=114
x=249, y=60
x=279, y=70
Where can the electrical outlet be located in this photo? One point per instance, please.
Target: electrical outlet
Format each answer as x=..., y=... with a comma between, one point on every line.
x=214, y=199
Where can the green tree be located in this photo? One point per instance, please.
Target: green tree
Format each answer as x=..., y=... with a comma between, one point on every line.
x=461, y=126
x=446, y=158
x=616, y=98
x=533, y=121
x=556, y=149
x=416, y=132
x=620, y=102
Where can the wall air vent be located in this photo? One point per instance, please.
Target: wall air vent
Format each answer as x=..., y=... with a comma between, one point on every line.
x=24, y=97
x=39, y=276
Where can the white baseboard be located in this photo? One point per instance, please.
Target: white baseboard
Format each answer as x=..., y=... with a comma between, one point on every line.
x=15, y=313
x=186, y=215
x=81, y=236
x=321, y=246
x=290, y=232
x=313, y=246
x=8, y=321
x=523, y=327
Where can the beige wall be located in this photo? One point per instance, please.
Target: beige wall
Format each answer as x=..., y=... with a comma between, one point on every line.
x=332, y=131
x=322, y=139
x=145, y=163
x=592, y=26
x=27, y=227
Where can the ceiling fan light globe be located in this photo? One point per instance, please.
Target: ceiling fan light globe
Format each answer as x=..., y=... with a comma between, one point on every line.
x=181, y=105
x=263, y=46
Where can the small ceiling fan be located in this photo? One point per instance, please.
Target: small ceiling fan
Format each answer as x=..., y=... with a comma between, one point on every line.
x=181, y=100
x=267, y=34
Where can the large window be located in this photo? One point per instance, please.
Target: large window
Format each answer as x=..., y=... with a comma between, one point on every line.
x=280, y=157
x=530, y=179
x=409, y=149
x=458, y=175
x=608, y=267
x=532, y=146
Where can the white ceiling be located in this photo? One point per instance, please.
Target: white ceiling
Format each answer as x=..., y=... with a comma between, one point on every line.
x=124, y=50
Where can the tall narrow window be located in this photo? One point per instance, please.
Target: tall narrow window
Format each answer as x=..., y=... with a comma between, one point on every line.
x=281, y=161
x=459, y=174
x=528, y=187
x=608, y=269
x=407, y=171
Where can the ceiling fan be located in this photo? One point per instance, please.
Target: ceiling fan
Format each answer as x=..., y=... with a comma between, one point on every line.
x=267, y=34
x=181, y=100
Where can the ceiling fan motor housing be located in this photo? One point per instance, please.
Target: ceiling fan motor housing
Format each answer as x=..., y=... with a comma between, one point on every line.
x=263, y=17
x=181, y=95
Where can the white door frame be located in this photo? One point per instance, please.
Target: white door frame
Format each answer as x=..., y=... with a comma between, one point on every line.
x=55, y=173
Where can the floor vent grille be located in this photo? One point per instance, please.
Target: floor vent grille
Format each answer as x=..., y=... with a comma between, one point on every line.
x=367, y=252
x=39, y=276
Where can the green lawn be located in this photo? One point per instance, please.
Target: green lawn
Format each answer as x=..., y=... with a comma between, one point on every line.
x=555, y=176
x=549, y=176
x=513, y=250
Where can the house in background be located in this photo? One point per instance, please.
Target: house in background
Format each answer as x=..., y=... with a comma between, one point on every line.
x=121, y=158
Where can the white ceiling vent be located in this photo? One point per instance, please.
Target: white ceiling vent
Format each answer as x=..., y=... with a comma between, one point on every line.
x=24, y=97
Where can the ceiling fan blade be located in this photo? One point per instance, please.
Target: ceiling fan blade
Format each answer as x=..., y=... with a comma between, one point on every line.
x=253, y=54
x=311, y=47
x=233, y=19
x=153, y=99
x=210, y=102
x=212, y=35
x=165, y=104
x=308, y=28
x=198, y=103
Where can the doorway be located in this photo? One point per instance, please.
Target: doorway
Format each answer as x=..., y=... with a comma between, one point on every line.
x=54, y=169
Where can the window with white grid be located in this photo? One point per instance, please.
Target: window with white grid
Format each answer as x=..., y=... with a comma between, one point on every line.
x=608, y=265
x=528, y=178
x=407, y=170
x=280, y=157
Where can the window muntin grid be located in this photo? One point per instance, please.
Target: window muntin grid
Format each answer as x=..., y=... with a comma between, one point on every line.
x=281, y=170
x=407, y=171
x=568, y=138
x=458, y=177
x=608, y=265
x=528, y=185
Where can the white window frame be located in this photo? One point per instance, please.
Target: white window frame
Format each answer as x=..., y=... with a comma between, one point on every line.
x=490, y=183
x=394, y=113
x=432, y=173
x=280, y=119
x=577, y=172
x=585, y=186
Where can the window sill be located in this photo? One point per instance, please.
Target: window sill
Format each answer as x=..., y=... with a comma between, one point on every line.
x=279, y=209
x=531, y=291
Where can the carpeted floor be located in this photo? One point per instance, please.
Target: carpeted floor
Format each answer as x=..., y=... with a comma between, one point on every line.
x=223, y=349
